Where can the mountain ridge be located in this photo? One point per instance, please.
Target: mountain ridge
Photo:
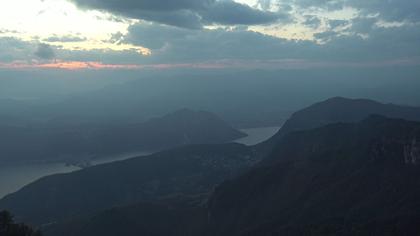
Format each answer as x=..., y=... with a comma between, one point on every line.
x=64, y=143
x=270, y=193
x=354, y=173
x=338, y=109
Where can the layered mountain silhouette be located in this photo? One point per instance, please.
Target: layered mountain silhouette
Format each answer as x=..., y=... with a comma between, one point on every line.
x=339, y=109
x=331, y=170
x=340, y=179
x=180, y=128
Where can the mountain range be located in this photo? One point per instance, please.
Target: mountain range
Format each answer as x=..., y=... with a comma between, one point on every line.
x=332, y=169
x=340, y=179
x=339, y=109
x=89, y=141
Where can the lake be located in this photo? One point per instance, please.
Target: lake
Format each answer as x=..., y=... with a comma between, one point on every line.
x=257, y=135
x=14, y=177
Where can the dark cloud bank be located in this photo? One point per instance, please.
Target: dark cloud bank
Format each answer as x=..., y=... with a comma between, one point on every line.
x=44, y=51
x=193, y=14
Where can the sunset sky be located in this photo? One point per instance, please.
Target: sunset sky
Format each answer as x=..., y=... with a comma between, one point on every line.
x=136, y=34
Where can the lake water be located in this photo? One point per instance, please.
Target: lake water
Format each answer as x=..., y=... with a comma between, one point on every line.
x=14, y=177
x=257, y=135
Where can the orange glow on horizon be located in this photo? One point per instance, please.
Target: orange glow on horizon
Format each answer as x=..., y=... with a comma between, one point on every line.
x=93, y=65
x=217, y=64
x=79, y=65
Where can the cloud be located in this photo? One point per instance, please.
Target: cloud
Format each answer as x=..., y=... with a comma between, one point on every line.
x=232, y=13
x=391, y=10
x=192, y=14
x=16, y=50
x=6, y=31
x=363, y=25
x=44, y=51
x=361, y=41
x=155, y=36
x=172, y=45
x=264, y=4
x=365, y=41
x=12, y=49
x=333, y=24
x=312, y=21
x=64, y=39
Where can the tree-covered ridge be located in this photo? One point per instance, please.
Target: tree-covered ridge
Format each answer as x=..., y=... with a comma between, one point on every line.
x=8, y=227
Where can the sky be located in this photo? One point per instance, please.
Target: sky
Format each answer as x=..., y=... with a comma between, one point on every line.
x=209, y=34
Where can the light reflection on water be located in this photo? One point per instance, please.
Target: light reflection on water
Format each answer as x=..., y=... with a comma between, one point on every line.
x=13, y=177
x=257, y=135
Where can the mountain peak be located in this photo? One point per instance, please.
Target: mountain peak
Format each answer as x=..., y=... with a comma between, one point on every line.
x=341, y=110
x=188, y=113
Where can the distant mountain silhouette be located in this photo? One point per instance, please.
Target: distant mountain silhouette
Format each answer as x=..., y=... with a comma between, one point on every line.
x=339, y=109
x=180, y=128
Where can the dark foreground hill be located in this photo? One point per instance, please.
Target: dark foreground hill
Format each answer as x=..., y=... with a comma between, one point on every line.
x=146, y=219
x=341, y=179
x=8, y=227
x=188, y=172
x=52, y=142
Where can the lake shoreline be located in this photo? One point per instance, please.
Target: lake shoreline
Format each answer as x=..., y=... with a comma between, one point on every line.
x=14, y=176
